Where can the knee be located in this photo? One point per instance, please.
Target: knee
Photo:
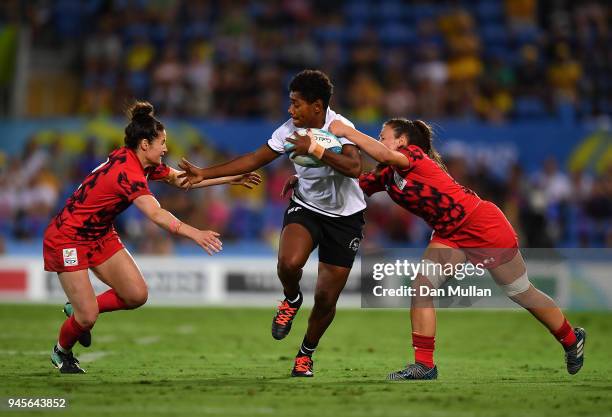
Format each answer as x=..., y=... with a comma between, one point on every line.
x=136, y=297
x=87, y=318
x=518, y=288
x=290, y=263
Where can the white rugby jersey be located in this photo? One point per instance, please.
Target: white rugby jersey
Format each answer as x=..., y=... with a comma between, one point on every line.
x=323, y=189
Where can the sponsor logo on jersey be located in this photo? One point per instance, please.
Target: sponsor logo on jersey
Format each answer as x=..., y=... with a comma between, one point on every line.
x=399, y=181
x=70, y=257
x=293, y=209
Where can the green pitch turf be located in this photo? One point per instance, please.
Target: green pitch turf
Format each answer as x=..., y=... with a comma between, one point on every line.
x=223, y=362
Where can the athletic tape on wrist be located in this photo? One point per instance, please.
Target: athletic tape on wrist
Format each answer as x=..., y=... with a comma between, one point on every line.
x=316, y=150
x=175, y=225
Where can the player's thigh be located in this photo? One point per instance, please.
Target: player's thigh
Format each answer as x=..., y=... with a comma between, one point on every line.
x=81, y=295
x=510, y=271
x=331, y=280
x=121, y=273
x=440, y=253
x=437, y=258
x=296, y=244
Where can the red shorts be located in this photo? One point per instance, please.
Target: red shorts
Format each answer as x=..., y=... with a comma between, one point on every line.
x=486, y=237
x=62, y=254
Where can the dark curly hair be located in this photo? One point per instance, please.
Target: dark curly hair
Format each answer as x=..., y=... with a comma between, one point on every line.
x=313, y=85
x=143, y=125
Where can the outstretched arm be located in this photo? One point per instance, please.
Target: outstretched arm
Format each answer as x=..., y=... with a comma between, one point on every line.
x=248, y=180
x=241, y=165
x=207, y=239
x=369, y=145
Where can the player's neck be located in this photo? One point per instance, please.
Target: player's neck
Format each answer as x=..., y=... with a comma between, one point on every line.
x=317, y=124
x=143, y=160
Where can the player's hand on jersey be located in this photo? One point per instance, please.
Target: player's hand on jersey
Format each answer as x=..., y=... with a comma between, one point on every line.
x=289, y=185
x=208, y=240
x=191, y=174
x=377, y=171
x=248, y=180
x=301, y=143
x=338, y=129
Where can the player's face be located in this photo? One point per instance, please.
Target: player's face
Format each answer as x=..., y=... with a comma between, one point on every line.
x=157, y=148
x=303, y=113
x=387, y=138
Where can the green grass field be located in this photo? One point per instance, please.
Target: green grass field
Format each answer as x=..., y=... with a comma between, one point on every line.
x=223, y=362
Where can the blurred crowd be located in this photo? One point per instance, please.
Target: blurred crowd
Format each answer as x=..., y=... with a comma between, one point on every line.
x=548, y=208
x=493, y=60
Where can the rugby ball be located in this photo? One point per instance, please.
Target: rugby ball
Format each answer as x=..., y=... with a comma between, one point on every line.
x=323, y=137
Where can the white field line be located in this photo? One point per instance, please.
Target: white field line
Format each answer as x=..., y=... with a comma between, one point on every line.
x=24, y=352
x=92, y=356
x=149, y=340
x=83, y=357
x=186, y=329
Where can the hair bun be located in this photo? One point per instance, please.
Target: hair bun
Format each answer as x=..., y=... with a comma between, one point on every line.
x=139, y=109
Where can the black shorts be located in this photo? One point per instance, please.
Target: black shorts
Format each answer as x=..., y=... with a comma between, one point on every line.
x=338, y=238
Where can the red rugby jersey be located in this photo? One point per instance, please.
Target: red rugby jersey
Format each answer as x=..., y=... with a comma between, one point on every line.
x=425, y=190
x=106, y=192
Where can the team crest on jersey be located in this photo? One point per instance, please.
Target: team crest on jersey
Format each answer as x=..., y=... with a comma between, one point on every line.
x=70, y=257
x=399, y=180
x=354, y=245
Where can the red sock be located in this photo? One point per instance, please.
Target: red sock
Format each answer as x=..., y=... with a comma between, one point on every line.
x=110, y=301
x=423, y=349
x=70, y=332
x=565, y=334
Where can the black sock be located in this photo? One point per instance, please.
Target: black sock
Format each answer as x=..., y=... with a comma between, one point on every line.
x=295, y=301
x=307, y=348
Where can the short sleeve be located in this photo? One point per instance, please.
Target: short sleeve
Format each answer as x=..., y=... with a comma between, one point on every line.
x=372, y=183
x=131, y=185
x=277, y=141
x=414, y=154
x=159, y=172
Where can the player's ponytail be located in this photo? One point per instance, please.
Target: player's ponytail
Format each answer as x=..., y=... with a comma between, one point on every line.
x=143, y=125
x=426, y=137
x=419, y=134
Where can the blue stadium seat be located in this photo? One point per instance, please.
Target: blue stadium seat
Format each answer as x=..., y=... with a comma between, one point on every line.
x=355, y=32
x=493, y=33
x=397, y=34
x=501, y=52
x=135, y=31
x=490, y=10
x=138, y=81
x=526, y=35
x=196, y=30
x=158, y=34
x=359, y=11
x=566, y=112
x=527, y=107
x=424, y=11
x=331, y=34
x=390, y=11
